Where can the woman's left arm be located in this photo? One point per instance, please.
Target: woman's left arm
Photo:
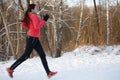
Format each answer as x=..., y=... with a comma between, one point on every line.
x=42, y=23
x=37, y=23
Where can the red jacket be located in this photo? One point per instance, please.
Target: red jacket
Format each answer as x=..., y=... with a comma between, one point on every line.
x=34, y=26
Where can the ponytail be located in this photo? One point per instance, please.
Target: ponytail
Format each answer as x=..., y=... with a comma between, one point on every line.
x=26, y=18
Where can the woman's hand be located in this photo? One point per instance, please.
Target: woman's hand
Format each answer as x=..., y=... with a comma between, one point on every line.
x=46, y=17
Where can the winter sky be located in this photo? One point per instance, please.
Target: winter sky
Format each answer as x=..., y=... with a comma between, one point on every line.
x=76, y=2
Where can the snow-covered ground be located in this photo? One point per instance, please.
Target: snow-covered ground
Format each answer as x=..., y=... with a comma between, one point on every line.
x=85, y=63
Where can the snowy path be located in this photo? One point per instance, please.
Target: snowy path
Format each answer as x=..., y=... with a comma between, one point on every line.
x=108, y=72
x=69, y=67
x=68, y=70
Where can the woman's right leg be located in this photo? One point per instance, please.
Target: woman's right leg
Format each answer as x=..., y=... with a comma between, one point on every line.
x=28, y=50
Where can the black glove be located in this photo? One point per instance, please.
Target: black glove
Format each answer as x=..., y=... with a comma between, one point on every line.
x=46, y=17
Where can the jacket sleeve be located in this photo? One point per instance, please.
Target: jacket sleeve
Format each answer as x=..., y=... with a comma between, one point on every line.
x=42, y=23
x=24, y=25
x=37, y=23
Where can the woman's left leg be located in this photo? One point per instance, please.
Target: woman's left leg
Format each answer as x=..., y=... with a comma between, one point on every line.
x=42, y=55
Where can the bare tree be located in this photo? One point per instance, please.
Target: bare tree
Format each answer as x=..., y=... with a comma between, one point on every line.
x=53, y=3
x=20, y=7
x=60, y=34
x=56, y=12
x=108, y=23
x=96, y=14
x=7, y=34
x=80, y=23
x=28, y=2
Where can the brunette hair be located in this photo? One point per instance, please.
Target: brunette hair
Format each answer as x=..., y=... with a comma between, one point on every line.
x=26, y=18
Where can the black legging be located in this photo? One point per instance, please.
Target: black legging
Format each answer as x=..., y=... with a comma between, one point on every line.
x=32, y=43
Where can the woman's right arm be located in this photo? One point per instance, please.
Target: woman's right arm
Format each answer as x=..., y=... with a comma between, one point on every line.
x=24, y=25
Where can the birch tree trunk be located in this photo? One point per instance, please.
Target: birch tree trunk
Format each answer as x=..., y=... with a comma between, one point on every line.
x=80, y=24
x=18, y=26
x=55, y=28
x=60, y=34
x=108, y=49
x=108, y=23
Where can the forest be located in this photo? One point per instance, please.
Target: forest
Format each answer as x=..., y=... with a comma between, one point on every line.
x=67, y=29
